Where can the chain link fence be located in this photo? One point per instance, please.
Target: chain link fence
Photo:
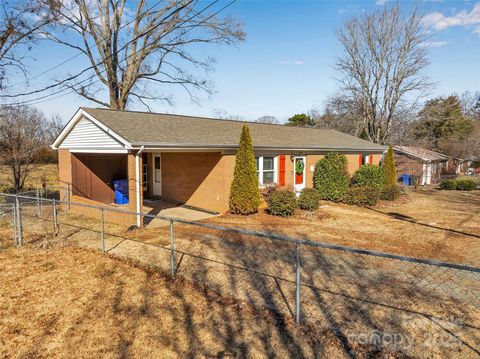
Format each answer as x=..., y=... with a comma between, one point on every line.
x=384, y=302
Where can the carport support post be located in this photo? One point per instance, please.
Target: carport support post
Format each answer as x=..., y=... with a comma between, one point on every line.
x=102, y=229
x=297, y=284
x=172, y=251
x=19, y=221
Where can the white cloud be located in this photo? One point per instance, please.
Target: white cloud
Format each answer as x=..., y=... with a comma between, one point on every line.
x=381, y=2
x=439, y=21
x=296, y=62
x=435, y=43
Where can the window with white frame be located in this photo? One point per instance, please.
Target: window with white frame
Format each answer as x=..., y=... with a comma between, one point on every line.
x=366, y=159
x=266, y=170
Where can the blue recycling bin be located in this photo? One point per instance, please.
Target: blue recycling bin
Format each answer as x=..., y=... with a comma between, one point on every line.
x=406, y=180
x=121, y=191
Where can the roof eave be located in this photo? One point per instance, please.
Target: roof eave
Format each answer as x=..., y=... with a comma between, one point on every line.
x=157, y=145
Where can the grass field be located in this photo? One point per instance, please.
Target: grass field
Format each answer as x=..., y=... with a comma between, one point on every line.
x=76, y=303
x=35, y=178
x=442, y=225
x=214, y=297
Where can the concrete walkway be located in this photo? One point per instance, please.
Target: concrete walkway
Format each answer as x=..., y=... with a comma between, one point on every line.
x=158, y=207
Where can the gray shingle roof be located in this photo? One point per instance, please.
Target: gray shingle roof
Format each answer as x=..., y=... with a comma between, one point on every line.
x=421, y=153
x=166, y=130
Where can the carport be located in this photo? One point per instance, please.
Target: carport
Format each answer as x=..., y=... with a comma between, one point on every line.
x=93, y=173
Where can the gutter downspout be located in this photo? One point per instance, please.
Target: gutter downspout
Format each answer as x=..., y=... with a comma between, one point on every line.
x=137, y=185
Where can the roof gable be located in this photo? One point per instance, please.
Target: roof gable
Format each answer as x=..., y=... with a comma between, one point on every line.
x=83, y=132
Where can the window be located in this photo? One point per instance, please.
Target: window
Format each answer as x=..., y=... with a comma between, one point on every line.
x=266, y=170
x=367, y=159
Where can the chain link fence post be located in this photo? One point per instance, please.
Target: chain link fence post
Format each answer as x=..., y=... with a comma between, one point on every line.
x=297, y=284
x=38, y=202
x=40, y=193
x=102, y=220
x=55, y=224
x=172, y=251
x=14, y=222
x=67, y=194
x=19, y=222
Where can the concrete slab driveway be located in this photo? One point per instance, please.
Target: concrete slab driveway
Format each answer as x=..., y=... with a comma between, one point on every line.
x=165, y=209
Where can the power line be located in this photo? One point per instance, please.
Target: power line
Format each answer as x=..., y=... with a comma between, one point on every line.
x=71, y=90
x=98, y=63
x=80, y=52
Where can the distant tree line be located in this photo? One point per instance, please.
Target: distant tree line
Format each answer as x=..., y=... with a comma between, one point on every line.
x=25, y=137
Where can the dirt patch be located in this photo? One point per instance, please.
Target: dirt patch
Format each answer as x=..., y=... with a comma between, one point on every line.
x=77, y=303
x=441, y=225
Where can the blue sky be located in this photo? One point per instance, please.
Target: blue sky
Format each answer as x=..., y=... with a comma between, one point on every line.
x=285, y=64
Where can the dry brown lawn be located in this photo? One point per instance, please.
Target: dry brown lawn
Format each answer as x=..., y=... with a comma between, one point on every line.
x=68, y=302
x=441, y=225
x=35, y=178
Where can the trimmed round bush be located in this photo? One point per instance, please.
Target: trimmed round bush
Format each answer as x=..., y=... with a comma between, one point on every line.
x=331, y=178
x=448, y=185
x=390, y=192
x=282, y=203
x=466, y=185
x=362, y=196
x=369, y=176
x=309, y=199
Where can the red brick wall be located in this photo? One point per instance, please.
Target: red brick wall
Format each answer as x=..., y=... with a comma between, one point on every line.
x=198, y=179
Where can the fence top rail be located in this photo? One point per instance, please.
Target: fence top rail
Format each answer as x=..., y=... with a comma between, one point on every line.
x=268, y=235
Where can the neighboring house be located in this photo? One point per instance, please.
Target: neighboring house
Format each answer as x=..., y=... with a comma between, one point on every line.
x=427, y=166
x=188, y=160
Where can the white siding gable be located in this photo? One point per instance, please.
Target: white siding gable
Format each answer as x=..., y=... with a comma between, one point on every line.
x=87, y=135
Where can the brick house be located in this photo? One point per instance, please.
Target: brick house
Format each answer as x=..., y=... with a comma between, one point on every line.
x=187, y=160
x=426, y=165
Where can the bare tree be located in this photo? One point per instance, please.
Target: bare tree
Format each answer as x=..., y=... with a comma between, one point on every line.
x=22, y=134
x=20, y=25
x=225, y=115
x=131, y=46
x=268, y=119
x=339, y=113
x=383, y=57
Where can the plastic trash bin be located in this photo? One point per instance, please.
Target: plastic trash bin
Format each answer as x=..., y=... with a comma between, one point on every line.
x=406, y=179
x=121, y=191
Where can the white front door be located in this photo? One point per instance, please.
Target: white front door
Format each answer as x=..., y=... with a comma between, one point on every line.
x=299, y=176
x=157, y=175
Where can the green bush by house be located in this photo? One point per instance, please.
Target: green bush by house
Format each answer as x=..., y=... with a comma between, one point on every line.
x=331, y=178
x=362, y=196
x=448, y=185
x=390, y=192
x=282, y=203
x=466, y=185
x=244, y=193
x=369, y=176
x=389, y=168
x=309, y=199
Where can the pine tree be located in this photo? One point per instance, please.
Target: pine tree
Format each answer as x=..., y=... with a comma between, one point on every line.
x=244, y=193
x=390, y=172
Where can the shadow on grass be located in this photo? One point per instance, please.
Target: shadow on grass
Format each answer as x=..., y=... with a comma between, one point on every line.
x=341, y=293
x=405, y=218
